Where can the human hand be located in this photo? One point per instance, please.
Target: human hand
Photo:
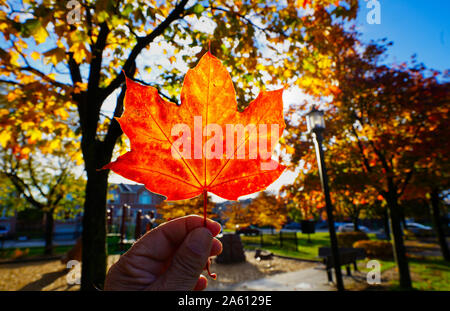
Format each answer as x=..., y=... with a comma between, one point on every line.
x=169, y=257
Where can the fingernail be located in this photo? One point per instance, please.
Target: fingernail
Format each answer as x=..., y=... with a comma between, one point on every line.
x=215, y=227
x=199, y=241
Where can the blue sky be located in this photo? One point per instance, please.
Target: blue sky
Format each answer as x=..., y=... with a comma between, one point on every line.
x=419, y=27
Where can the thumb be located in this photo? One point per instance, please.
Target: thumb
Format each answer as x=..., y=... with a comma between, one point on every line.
x=187, y=263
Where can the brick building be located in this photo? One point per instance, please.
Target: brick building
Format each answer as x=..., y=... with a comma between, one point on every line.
x=136, y=196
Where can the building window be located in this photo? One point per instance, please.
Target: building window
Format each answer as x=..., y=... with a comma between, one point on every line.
x=145, y=198
x=113, y=197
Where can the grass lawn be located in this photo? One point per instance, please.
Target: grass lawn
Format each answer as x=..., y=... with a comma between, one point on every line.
x=305, y=249
x=28, y=252
x=432, y=273
x=427, y=273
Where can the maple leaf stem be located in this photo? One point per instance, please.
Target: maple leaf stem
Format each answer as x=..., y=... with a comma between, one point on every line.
x=205, y=195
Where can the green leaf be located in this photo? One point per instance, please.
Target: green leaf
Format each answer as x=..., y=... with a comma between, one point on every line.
x=198, y=9
x=29, y=27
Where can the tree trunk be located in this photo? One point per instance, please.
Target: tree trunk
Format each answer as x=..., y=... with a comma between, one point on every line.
x=355, y=218
x=387, y=231
x=96, y=154
x=436, y=215
x=355, y=223
x=397, y=241
x=49, y=225
x=94, y=254
x=401, y=210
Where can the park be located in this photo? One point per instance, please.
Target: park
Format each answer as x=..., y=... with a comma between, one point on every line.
x=312, y=147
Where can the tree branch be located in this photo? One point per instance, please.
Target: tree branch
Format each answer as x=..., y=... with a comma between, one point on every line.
x=10, y=82
x=141, y=44
x=114, y=129
x=74, y=70
x=33, y=178
x=97, y=56
x=405, y=182
x=265, y=30
x=361, y=150
x=44, y=77
x=159, y=91
x=22, y=188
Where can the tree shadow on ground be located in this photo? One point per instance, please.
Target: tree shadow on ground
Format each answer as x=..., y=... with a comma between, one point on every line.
x=45, y=280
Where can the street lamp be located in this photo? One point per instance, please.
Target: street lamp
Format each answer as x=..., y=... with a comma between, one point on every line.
x=316, y=125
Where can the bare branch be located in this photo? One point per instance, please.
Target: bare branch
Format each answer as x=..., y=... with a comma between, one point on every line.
x=361, y=150
x=33, y=178
x=23, y=188
x=10, y=82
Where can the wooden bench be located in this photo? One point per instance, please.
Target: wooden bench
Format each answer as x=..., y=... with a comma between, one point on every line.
x=347, y=256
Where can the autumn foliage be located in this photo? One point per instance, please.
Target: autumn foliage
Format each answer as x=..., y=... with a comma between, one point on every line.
x=69, y=70
x=207, y=92
x=194, y=206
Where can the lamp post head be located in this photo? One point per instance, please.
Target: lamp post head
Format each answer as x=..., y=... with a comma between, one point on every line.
x=315, y=121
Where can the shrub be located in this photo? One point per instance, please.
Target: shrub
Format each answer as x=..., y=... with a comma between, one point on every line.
x=414, y=234
x=346, y=239
x=18, y=253
x=376, y=249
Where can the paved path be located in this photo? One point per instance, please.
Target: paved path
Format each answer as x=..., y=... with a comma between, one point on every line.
x=311, y=279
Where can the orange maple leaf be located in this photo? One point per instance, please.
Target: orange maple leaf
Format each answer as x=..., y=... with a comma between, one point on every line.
x=204, y=162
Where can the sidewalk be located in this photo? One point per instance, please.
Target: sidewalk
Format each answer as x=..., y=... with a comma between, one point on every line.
x=302, y=280
x=311, y=279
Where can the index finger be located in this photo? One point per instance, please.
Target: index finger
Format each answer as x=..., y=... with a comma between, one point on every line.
x=160, y=243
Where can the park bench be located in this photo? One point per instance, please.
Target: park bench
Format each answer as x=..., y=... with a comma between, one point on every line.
x=347, y=256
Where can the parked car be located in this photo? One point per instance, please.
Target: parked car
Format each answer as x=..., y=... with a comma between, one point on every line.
x=248, y=230
x=351, y=228
x=323, y=225
x=293, y=225
x=419, y=229
x=3, y=235
x=3, y=231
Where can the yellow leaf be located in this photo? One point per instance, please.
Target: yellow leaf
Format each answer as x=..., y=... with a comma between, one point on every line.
x=290, y=149
x=79, y=52
x=62, y=113
x=54, y=144
x=35, y=134
x=4, y=112
x=35, y=55
x=4, y=137
x=40, y=35
x=11, y=96
x=26, y=150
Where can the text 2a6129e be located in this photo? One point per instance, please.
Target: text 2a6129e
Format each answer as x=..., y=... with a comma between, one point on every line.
x=246, y=300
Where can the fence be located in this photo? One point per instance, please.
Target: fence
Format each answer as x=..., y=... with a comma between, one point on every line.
x=62, y=231
x=125, y=229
